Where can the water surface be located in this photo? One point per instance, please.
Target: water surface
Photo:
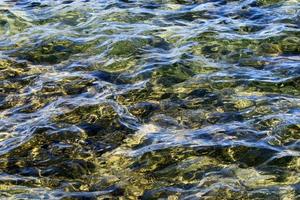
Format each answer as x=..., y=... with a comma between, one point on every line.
x=160, y=99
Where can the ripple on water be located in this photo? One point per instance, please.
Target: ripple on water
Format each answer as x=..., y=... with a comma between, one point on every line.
x=149, y=99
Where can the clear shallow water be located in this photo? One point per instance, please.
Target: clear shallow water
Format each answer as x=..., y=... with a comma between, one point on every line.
x=150, y=99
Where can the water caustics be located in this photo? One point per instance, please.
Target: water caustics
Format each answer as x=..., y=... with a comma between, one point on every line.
x=159, y=99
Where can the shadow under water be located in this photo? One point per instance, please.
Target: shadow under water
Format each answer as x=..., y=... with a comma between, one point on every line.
x=136, y=99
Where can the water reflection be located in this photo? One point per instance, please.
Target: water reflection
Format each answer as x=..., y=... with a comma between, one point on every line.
x=149, y=99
